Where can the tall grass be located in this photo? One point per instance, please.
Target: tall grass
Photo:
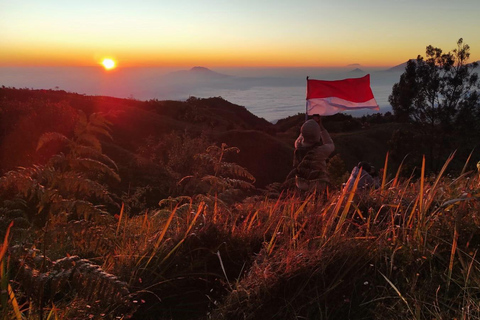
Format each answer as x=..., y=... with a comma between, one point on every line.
x=405, y=250
x=410, y=239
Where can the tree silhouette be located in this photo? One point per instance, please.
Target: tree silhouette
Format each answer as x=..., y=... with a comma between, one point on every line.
x=434, y=91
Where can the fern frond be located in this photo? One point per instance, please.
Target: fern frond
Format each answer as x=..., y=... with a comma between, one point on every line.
x=211, y=200
x=98, y=130
x=98, y=119
x=70, y=276
x=19, y=182
x=81, y=209
x=240, y=184
x=218, y=182
x=50, y=137
x=96, y=166
x=174, y=201
x=81, y=125
x=81, y=236
x=184, y=179
x=58, y=161
x=183, y=209
x=86, y=151
x=235, y=170
x=214, y=149
x=72, y=184
x=89, y=140
x=205, y=158
x=231, y=150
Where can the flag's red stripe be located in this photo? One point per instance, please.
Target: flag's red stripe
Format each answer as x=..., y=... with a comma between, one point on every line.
x=354, y=89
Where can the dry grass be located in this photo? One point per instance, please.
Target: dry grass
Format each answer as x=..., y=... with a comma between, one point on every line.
x=405, y=250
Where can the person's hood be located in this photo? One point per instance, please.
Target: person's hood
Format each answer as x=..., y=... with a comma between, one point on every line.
x=311, y=133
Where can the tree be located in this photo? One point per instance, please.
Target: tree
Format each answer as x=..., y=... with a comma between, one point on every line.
x=433, y=90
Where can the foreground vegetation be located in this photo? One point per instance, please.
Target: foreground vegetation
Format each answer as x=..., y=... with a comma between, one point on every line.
x=406, y=250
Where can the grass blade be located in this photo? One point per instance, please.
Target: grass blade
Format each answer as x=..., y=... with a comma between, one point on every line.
x=120, y=219
x=162, y=235
x=422, y=185
x=14, y=303
x=4, y=247
x=385, y=167
x=466, y=162
x=452, y=256
x=399, y=293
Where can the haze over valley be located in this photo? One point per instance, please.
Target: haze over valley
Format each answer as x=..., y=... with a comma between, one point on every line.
x=270, y=93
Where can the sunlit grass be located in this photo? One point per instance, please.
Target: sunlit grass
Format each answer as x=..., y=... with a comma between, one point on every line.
x=408, y=249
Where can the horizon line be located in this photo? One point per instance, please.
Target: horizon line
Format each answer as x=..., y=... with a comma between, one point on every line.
x=354, y=65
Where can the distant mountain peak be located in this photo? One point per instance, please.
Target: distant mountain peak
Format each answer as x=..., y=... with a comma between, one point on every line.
x=357, y=70
x=400, y=67
x=198, y=72
x=200, y=69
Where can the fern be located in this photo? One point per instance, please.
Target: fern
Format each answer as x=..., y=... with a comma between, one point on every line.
x=172, y=202
x=85, y=238
x=85, y=141
x=217, y=176
x=88, y=152
x=49, y=192
x=239, y=184
x=236, y=170
x=50, y=137
x=90, y=165
x=13, y=210
x=90, y=141
x=219, y=183
x=44, y=281
x=69, y=184
x=95, y=125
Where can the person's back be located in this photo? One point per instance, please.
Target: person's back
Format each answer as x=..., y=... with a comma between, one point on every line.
x=311, y=155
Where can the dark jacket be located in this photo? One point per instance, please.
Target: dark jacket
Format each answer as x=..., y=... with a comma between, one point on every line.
x=310, y=165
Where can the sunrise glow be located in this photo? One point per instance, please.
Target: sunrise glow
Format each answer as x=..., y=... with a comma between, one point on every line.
x=238, y=34
x=108, y=64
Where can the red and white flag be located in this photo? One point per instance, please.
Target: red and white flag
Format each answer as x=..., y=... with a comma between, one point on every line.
x=330, y=97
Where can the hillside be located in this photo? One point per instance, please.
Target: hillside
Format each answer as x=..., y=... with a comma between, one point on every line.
x=26, y=114
x=185, y=235
x=266, y=149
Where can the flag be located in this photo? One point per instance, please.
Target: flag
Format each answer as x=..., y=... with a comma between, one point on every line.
x=330, y=97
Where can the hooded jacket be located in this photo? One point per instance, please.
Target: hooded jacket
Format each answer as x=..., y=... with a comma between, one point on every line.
x=311, y=155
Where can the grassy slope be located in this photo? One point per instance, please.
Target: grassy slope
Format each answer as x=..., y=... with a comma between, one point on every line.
x=266, y=149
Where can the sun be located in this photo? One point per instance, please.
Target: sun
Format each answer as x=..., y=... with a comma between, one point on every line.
x=108, y=64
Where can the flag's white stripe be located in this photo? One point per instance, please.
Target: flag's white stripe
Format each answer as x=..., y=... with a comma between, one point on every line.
x=332, y=105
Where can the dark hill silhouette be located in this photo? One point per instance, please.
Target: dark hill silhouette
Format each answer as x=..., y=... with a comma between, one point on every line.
x=132, y=123
x=266, y=149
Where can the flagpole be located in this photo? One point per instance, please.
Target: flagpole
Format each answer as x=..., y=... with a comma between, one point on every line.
x=306, y=104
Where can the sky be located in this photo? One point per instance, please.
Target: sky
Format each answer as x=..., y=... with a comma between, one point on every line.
x=236, y=33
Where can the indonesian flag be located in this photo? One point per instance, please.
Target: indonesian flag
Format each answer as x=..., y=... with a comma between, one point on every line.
x=329, y=97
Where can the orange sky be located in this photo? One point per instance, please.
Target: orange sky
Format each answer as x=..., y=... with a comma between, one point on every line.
x=217, y=33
